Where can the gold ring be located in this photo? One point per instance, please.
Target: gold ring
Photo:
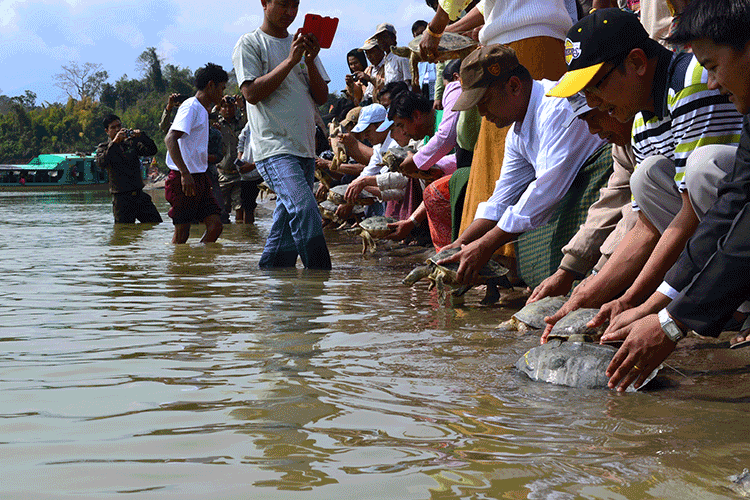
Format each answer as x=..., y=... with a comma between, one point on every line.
x=636, y=367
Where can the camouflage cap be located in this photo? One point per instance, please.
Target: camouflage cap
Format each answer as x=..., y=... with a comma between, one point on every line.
x=481, y=69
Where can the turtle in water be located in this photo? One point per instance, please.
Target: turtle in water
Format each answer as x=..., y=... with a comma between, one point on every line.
x=371, y=229
x=492, y=275
x=452, y=46
x=531, y=316
x=574, y=364
x=572, y=327
x=336, y=195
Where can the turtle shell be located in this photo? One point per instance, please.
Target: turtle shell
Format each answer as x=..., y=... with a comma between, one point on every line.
x=336, y=195
x=452, y=46
x=377, y=225
x=533, y=314
x=395, y=156
x=573, y=327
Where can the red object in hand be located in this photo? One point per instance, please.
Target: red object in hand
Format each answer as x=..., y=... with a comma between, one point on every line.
x=322, y=27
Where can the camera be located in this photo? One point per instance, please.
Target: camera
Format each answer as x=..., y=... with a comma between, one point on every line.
x=230, y=99
x=129, y=133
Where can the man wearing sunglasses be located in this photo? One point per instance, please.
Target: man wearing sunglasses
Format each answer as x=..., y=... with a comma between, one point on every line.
x=625, y=73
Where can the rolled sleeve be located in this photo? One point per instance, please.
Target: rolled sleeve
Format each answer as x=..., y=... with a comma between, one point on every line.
x=444, y=139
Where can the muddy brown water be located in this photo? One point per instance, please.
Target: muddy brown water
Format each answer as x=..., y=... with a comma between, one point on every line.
x=131, y=368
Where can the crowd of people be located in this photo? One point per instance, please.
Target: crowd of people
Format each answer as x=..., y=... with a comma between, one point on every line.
x=623, y=126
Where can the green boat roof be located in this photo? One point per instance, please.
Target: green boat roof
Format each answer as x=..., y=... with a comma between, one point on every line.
x=47, y=162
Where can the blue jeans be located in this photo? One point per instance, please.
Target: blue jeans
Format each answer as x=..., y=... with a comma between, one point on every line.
x=297, y=227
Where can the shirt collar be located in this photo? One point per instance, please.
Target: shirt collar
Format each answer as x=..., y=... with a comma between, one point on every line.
x=662, y=77
x=524, y=128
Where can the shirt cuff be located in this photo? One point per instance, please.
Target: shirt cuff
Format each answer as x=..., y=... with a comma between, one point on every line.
x=575, y=265
x=489, y=212
x=666, y=289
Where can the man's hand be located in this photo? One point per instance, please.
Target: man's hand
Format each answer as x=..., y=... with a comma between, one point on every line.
x=356, y=187
x=437, y=105
x=312, y=47
x=122, y=134
x=624, y=319
x=363, y=77
x=322, y=163
x=557, y=284
x=297, y=49
x=645, y=348
x=401, y=230
x=188, y=184
x=609, y=311
x=584, y=295
x=472, y=259
x=172, y=101
x=428, y=47
x=343, y=212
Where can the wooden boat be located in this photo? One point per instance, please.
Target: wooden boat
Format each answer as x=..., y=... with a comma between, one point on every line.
x=55, y=170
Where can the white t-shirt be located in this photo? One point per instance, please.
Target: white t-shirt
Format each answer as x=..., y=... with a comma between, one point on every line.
x=284, y=122
x=191, y=118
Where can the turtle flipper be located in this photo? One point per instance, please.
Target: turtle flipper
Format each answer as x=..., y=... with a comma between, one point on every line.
x=416, y=275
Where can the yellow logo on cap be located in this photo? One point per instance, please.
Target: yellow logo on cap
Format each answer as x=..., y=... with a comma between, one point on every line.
x=495, y=69
x=572, y=50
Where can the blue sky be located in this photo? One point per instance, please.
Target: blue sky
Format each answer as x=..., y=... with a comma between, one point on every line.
x=38, y=36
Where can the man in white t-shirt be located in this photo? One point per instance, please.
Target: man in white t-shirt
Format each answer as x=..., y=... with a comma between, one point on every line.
x=283, y=80
x=188, y=187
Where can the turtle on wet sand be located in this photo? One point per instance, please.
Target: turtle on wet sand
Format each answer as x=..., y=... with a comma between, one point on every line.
x=336, y=195
x=572, y=327
x=531, y=316
x=372, y=228
x=492, y=275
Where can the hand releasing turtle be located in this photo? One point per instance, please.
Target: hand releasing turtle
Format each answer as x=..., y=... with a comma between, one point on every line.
x=372, y=228
x=492, y=275
x=452, y=46
x=336, y=195
x=531, y=316
x=394, y=157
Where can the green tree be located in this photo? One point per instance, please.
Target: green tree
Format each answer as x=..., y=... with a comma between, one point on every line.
x=149, y=63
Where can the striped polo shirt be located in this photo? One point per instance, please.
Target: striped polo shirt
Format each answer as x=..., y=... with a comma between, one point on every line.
x=687, y=115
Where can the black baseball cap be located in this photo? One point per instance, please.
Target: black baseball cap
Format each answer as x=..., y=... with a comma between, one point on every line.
x=602, y=36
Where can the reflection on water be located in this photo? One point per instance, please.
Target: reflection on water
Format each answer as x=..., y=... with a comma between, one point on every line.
x=133, y=367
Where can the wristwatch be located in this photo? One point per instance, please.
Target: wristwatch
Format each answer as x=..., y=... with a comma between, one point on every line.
x=669, y=326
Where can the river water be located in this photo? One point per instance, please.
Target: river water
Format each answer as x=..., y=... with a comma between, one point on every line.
x=133, y=368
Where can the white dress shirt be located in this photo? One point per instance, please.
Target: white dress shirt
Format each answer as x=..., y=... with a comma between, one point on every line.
x=542, y=158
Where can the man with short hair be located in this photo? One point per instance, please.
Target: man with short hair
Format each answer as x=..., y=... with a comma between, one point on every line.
x=229, y=177
x=625, y=73
x=120, y=156
x=283, y=80
x=188, y=187
x=710, y=275
x=544, y=150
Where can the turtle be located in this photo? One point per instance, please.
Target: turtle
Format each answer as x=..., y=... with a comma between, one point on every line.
x=395, y=156
x=372, y=228
x=531, y=316
x=265, y=190
x=573, y=327
x=492, y=275
x=452, y=46
x=574, y=364
x=336, y=195
x=328, y=211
